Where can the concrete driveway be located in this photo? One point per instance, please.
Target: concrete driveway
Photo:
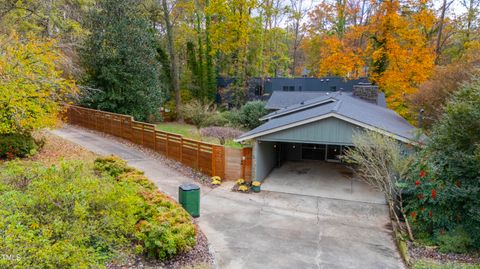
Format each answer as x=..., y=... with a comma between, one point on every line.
x=322, y=179
x=271, y=229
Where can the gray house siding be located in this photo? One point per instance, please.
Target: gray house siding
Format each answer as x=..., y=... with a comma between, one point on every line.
x=264, y=157
x=326, y=131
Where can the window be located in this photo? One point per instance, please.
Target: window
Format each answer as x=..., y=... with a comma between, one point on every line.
x=285, y=88
x=333, y=88
x=299, y=88
x=292, y=88
x=258, y=90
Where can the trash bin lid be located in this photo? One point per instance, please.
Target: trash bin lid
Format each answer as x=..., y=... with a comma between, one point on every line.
x=189, y=187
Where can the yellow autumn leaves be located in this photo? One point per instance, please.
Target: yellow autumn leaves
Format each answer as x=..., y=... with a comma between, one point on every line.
x=32, y=89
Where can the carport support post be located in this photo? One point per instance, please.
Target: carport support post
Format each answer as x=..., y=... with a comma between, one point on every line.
x=254, y=160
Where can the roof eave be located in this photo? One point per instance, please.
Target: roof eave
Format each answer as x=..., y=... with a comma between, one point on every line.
x=324, y=116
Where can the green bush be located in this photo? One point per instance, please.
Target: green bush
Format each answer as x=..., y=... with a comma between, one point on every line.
x=67, y=216
x=111, y=166
x=251, y=113
x=165, y=228
x=17, y=145
x=444, y=181
x=456, y=241
x=216, y=119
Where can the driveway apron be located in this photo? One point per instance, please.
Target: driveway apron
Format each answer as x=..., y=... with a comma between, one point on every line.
x=270, y=229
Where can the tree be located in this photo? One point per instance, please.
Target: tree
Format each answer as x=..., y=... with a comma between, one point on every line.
x=445, y=179
x=434, y=93
x=32, y=89
x=402, y=56
x=379, y=162
x=173, y=55
x=121, y=61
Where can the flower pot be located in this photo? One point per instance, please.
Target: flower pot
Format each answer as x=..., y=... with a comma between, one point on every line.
x=256, y=188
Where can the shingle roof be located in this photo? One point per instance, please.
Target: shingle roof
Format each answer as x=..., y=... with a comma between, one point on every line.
x=281, y=99
x=345, y=107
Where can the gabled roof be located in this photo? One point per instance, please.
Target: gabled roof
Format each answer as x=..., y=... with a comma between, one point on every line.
x=281, y=99
x=344, y=107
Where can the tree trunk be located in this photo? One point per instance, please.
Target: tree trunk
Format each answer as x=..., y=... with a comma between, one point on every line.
x=173, y=59
x=211, y=81
x=438, y=49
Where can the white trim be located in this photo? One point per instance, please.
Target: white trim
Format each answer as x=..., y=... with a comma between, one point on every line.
x=273, y=115
x=321, y=117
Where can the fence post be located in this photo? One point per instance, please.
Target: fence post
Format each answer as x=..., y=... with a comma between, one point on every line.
x=218, y=161
x=166, y=146
x=197, y=160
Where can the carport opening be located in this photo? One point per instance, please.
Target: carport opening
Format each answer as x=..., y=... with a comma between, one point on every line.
x=305, y=151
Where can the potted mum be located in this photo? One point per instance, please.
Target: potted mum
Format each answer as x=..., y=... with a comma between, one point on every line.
x=256, y=186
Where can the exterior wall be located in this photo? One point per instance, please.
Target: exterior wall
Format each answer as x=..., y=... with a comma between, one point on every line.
x=326, y=131
x=264, y=159
x=312, y=84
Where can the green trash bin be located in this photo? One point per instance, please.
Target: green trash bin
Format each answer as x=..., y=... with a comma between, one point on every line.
x=189, y=198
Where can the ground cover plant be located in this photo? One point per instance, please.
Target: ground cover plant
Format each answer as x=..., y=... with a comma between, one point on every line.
x=76, y=214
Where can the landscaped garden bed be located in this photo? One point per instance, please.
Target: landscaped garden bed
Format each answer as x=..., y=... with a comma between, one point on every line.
x=64, y=207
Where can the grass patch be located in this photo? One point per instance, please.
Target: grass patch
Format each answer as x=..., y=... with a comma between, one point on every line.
x=424, y=264
x=191, y=132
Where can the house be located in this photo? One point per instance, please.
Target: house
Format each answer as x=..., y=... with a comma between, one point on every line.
x=319, y=126
x=262, y=88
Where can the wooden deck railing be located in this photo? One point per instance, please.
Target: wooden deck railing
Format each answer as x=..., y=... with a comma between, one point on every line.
x=209, y=159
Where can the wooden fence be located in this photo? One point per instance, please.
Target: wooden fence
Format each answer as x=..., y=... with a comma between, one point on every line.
x=209, y=159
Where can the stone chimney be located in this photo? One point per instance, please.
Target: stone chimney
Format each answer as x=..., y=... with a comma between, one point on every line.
x=366, y=91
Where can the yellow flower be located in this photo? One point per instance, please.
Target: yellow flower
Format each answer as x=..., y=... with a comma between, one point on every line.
x=216, y=182
x=240, y=181
x=216, y=178
x=243, y=188
x=256, y=183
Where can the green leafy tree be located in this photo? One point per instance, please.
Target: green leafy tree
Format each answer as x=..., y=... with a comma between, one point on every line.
x=121, y=61
x=445, y=182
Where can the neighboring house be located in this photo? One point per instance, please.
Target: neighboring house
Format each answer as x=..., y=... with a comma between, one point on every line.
x=259, y=88
x=305, y=126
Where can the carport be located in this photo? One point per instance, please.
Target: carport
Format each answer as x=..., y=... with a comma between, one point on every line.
x=298, y=148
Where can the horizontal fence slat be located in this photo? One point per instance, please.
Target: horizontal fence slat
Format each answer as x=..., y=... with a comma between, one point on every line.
x=209, y=159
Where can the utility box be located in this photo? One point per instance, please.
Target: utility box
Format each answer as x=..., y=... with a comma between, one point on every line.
x=189, y=198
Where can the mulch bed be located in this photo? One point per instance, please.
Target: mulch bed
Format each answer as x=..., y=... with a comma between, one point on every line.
x=431, y=253
x=177, y=166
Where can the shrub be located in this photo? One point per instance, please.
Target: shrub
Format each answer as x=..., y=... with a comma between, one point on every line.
x=197, y=112
x=164, y=228
x=444, y=182
x=215, y=119
x=63, y=217
x=234, y=118
x=221, y=133
x=251, y=113
x=17, y=145
x=66, y=216
x=456, y=241
x=112, y=166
